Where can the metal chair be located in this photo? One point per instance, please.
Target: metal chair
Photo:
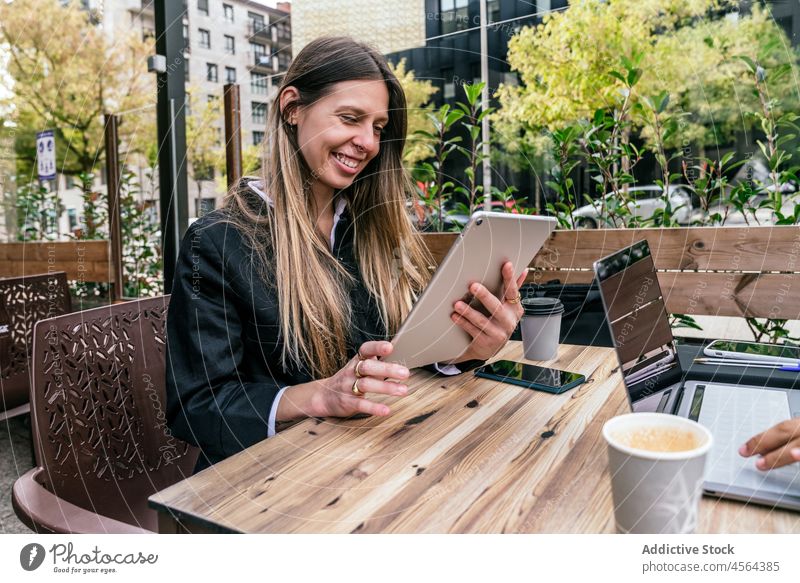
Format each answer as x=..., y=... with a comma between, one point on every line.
x=24, y=301
x=98, y=410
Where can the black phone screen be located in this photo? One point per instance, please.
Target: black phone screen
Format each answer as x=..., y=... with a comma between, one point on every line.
x=530, y=373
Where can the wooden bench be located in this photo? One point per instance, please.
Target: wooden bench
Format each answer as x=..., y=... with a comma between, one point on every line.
x=718, y=271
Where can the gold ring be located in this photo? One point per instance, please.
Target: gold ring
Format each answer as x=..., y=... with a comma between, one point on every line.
x=355, y=390
x=515, y=300
x=358, y=372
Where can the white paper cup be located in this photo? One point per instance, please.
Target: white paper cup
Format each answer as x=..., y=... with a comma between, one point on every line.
x=654, y=491
x=541, y=326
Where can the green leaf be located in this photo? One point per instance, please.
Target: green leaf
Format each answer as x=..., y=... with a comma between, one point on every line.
x=473, y=91
x=618, y=75
x=633, y=76
x=663, y=101
x=452, y=117
x=750, y=63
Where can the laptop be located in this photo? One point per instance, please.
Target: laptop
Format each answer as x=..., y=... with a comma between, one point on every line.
x=655, y=382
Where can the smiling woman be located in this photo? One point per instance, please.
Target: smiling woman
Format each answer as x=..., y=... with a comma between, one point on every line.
x=284, y=298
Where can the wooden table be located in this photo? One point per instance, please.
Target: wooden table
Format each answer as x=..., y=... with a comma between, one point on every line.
x=458, y=454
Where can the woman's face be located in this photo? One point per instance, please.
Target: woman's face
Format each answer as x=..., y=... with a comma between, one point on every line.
x=340, y=133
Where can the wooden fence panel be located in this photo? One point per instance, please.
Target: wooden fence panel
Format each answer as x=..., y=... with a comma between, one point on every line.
x=719, y=271
x=82, y=260
x=739, y=248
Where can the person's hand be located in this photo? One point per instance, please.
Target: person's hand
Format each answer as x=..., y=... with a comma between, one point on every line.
x=490, y=334
x=777, y=446
x=335, y=396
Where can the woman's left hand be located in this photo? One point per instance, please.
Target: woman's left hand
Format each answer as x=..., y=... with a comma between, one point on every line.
x=490, y=334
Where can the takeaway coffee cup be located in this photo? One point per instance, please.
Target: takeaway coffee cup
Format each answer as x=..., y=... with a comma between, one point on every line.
x=656, y=462
x=541, y=325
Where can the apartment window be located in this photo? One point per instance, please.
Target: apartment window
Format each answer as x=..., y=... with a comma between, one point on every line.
x=256, y=22
x=258, y=137
x=284, y=32
x=187, y=105
x=230, y=75
x=493, y=8
x=211, y=98
x=258, y=48
x=204, y=205
x=186, y=46
x=258, y=83
x=186, y=70
x=230, y=45
x=283, y=60
x=260, y=56
x=205, y=38
x=259, y=112
x=455, y=15
x=211, y=72
x=449, y=91
x=228, y=10
x=202, y=6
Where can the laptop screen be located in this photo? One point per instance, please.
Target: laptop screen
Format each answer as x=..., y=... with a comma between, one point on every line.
x=639, y=325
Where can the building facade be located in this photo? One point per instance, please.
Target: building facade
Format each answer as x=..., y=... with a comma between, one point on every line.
x=388, y=25
x=226, y=41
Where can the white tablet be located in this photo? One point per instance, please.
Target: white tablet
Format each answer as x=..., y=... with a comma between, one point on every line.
x=428, y=335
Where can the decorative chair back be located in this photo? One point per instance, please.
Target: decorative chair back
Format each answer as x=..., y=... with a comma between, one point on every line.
x=99, y=409
x=23, y=302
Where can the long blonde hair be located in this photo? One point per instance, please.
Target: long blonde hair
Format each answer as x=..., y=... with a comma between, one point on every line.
x=313, y=288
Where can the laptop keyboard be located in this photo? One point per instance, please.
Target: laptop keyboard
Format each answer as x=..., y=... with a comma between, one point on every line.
x=734, y=415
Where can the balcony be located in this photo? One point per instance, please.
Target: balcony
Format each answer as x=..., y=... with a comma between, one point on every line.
x=259, y=31
x=262, y=63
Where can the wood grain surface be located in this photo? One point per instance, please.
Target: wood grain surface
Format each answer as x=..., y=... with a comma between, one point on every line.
x=82, y=260
x=739, y=248
x=458, y=454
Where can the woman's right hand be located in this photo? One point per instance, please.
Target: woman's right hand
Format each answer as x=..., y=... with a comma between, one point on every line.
x=334, y=396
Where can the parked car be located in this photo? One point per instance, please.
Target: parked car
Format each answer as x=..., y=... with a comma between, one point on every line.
x=498, y=206
x=645, y=201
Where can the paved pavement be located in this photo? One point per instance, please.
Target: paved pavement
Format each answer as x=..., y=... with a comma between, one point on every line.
x=15, y=459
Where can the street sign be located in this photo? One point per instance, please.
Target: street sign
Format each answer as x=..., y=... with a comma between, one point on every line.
x=46, y=155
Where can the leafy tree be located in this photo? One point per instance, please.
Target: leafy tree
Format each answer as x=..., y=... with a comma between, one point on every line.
x=65, y=73
x=38, y=210
x=204, y=138
x=251, y=165
x=418, y=94
x=687, y=48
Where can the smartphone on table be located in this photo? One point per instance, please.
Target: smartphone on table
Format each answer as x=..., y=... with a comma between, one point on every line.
x=734, y=350
x=549, y=380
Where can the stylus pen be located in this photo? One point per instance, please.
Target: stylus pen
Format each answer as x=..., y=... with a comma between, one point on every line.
x=748, y=364
x=735, y=361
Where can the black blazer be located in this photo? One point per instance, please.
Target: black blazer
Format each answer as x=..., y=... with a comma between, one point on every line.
x=224, y=344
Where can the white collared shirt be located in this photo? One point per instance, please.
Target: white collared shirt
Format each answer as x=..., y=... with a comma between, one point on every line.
x=341, y=203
